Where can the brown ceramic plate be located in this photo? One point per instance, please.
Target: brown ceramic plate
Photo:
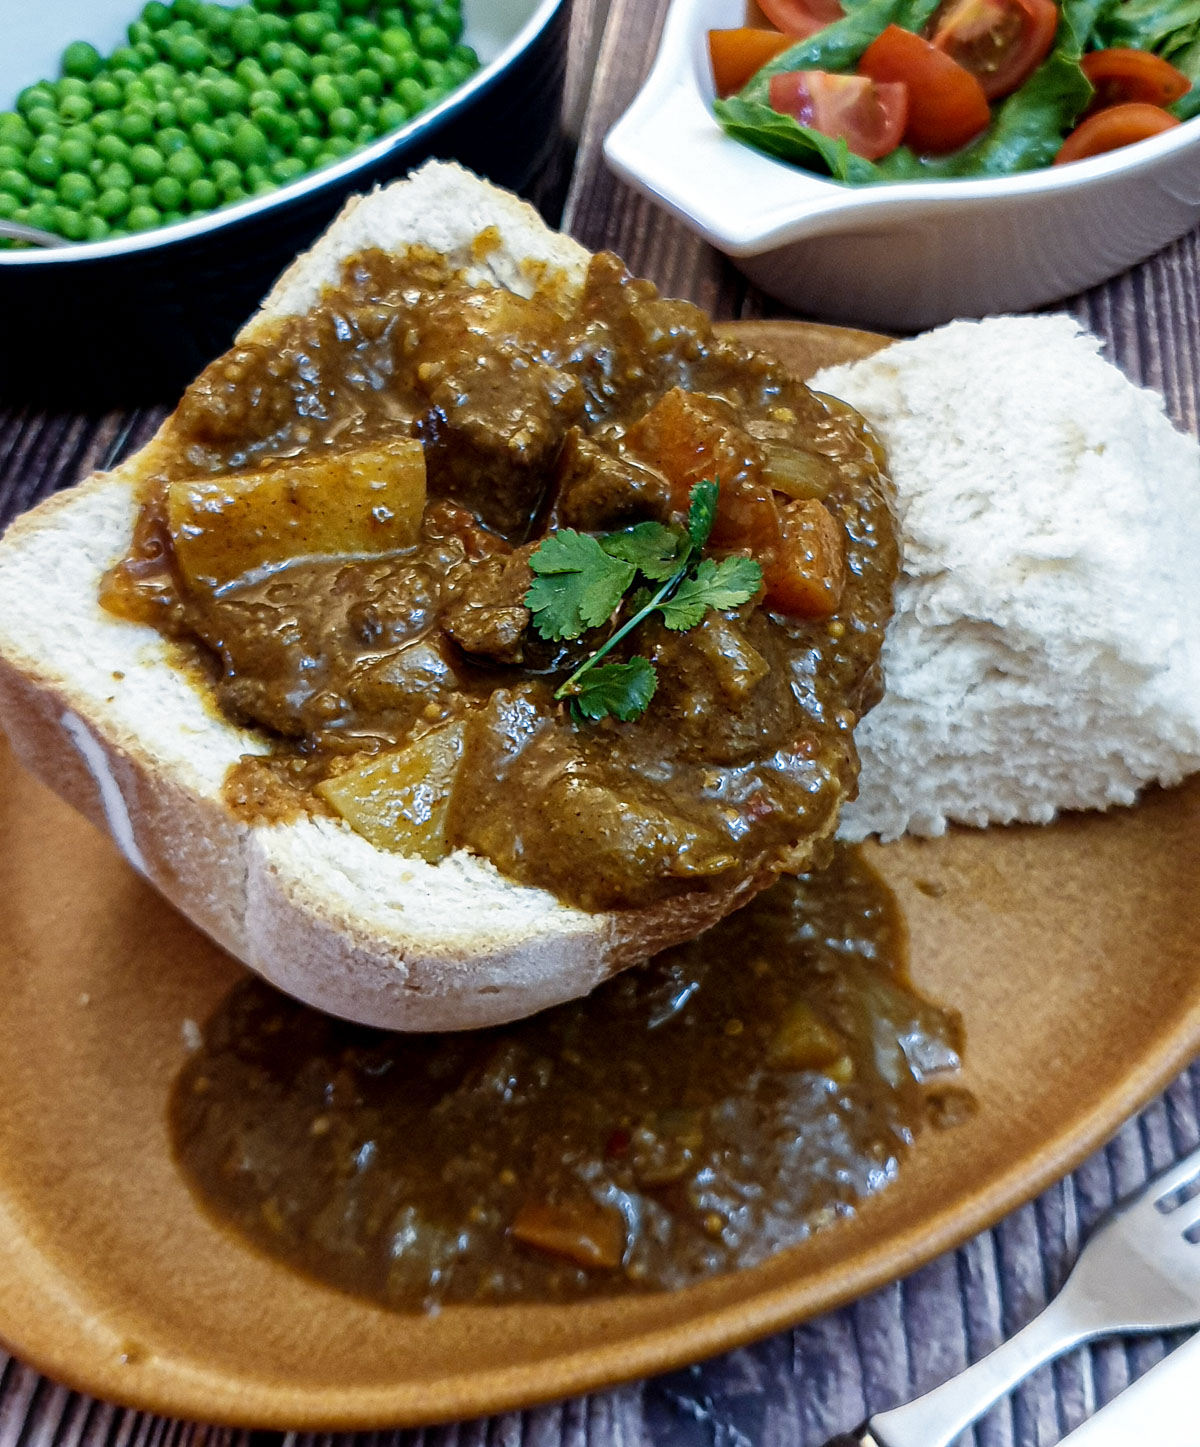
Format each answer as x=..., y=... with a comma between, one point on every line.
x=1069, y=949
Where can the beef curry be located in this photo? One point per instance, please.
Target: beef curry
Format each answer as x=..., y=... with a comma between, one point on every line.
x=341, y=523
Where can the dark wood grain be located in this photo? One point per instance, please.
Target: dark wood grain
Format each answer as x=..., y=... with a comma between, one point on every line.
x=798, y=1388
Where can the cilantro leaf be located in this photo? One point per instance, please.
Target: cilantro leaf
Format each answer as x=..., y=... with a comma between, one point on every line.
x=714, y=584
x=702, y=513
x=576, y=586
x=653, y=549
x=623, y=689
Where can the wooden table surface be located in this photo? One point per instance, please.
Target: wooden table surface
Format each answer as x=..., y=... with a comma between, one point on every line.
x=795, y=1389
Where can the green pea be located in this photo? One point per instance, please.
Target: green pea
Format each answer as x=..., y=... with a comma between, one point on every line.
x=225, y=96
x=338, y=146
x=320, y=65
x=35, y=97
x=116, y=176
x=112, y=148
x=41, y=215
x=208, y=141
x=363, y=32
x=310, y=121
x=202, y=194
x=449, y=19
x=147, y=52
x=193, y=110
x=15, y=131
x=139, y=33
x=16, y=183
x=9, y=206
x=95, y=168
x=392, y=115
x=271, y=54
x=456, y=71
x=105, y=92
x=81, y=60
x=265, y=99
x=368, y=111
x=250, y=74
x=146, y=162
x=12, y=158
x=343, y=122
x=188, y=52
x=275, y=29
x=74, y=188
x=254, y=175
x=356, y=7
x=112, y=202
x=332, y=8
x=139, y=195
x=216, y=19
x=434, y=74
x=347, y=86
x=223, y=55
x=325, y=95
x=69, y=223
x=249, y=145
x=43, y=119
x=389, y=16
x=383, y=64
x=411, y=95
x=95, y=229
x=296, y=58
x=105, y=123
x=44, y=165
x=167, y=193
x=269, y=6
x=189, y=10
x=185, y=165
x=140, y=92
x=311, y=26
x=464, y=55
x=143, y=217
x=165, y=114
x=409, y=67
x=228, y=124
x=277, y=126
x=135, y=126
x=123, y=59
x=76, y=152
x=369, y=82
x=287, y=84
x=432, y=40
x=170, y=140
x=156, y=15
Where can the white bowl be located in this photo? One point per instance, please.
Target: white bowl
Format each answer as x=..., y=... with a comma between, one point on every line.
x=902, y=255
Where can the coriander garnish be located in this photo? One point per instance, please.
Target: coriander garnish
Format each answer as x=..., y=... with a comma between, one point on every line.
x=581, y=581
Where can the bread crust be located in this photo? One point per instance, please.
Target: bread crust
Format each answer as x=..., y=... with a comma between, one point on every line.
x=94, y=707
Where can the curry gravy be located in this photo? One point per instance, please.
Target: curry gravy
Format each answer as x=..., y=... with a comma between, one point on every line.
x=692, y=1116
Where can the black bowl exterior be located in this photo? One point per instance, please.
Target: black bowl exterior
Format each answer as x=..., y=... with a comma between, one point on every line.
x=138, y=327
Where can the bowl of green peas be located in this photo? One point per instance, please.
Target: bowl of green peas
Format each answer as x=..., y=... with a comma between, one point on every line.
x=182, y=154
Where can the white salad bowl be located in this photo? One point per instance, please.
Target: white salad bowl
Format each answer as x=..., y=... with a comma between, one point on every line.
x=899, y=255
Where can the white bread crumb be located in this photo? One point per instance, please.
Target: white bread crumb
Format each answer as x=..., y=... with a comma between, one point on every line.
x=1044, y=654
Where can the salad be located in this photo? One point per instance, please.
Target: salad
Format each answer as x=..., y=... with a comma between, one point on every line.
x=903, y=90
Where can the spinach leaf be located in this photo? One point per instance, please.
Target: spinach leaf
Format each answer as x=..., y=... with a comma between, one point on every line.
x=1167, y=27
x=758, y=125
x=839, y=45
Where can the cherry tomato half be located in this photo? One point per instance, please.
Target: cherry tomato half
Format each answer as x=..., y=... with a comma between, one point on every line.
x=1109, y=130
x=1121, y=75
x=1001, y=42
x=870, y=118
x=737, y=54
x=801, y=18
x=946, y=104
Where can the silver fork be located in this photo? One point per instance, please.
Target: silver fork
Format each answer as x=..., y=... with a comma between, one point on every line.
x=1139, y=1271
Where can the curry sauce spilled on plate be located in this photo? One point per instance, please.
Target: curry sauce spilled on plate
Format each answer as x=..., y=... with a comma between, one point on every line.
x=692, y=1116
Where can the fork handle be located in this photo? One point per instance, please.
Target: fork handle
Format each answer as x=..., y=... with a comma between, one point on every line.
x=938, y=1417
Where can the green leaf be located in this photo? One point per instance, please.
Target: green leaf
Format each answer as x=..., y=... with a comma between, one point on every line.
x=702, y=513
x=713, y=585
x=653, y=549
x=839, y=45
x=577, y=585
x=755, y=124
x=1164, y=26
x=623, y=689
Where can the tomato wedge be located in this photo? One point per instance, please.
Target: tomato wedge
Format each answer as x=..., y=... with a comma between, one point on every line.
x=1001, y=42
x=869, y=117
x=801, y=18
x=1109, y=130
x=946, y=104
x=1121, y=75
x=737, y=54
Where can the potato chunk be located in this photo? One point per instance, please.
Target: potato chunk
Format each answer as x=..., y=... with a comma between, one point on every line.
x=399, y=800
x=364, y=501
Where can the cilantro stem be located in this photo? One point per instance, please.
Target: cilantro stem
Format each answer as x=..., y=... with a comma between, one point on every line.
x=570, y=688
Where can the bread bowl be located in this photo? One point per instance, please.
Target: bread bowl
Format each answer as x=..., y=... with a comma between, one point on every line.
x=99, y=707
